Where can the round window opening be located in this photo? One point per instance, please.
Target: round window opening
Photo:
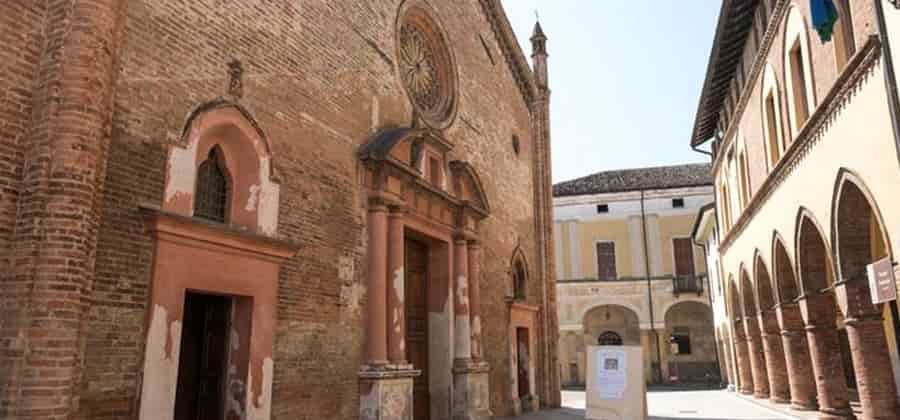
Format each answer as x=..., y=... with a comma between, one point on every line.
x=426, y=67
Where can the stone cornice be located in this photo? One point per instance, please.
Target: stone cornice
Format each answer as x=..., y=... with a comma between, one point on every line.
x=848, y=82
x=512, y=52
x=759, y=63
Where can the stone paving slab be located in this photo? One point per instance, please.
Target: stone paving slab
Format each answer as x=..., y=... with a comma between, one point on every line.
x=680, y=405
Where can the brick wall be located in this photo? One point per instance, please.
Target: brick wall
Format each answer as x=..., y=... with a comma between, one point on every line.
x=21, y=29
x=319, y=79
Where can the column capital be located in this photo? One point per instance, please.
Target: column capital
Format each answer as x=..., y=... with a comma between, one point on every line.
x=474, y=243
x=397, y=209
x=461, y=237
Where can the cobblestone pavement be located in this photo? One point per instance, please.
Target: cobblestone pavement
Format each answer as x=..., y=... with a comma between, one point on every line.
x=674, y=405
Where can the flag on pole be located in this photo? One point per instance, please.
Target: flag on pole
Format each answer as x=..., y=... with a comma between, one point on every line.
x=824, y=15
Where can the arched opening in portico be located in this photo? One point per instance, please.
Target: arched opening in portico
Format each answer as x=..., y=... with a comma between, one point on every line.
x=741, y=348
x=822, y=318
x=860, y=241
x=754, y=338
x=779, y=391
x=691, y=354
x=793, y=334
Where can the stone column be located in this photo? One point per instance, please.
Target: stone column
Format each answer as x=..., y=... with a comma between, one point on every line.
x=742, y=353
x=65, y=148
x=461, y=322
x=868, y=345
x=757, y=359
x=474, y=259
x=395, y=295
x=779, y=390
x=376, y=303
x=824, y=350
x=471, y=399
x=797, y=359
x=385, y=380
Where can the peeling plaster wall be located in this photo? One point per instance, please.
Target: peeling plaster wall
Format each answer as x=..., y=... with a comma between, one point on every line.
x=160, y=366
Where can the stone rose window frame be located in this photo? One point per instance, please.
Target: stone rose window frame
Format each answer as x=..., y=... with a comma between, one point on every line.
x=239, y=259
x=426, y=65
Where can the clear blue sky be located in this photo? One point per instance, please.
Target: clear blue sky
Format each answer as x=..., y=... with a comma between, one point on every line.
x=625, y=77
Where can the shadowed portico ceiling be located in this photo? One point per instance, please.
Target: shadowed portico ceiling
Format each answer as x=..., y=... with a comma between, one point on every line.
x=735, y=23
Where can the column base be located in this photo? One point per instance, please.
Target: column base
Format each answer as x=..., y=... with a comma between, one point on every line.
x=525, y=404
x=386, y=394
x=804, y=405
x=836, y=414
x=471, y=391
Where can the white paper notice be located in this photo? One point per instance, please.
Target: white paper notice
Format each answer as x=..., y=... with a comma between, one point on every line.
x=611, y=378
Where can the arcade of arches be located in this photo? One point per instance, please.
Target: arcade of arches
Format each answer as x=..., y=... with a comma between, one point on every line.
x=687, y=347
x=804, y=328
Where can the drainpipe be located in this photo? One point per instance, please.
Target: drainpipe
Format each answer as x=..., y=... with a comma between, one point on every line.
x=650, y=290
x=890, y=84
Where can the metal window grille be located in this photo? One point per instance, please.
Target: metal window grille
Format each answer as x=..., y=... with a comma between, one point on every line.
x=609, y=338
x=211, y=200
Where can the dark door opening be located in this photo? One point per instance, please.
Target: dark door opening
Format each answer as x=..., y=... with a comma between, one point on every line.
x=523, y=362
x=202, y=362
x=416, y=297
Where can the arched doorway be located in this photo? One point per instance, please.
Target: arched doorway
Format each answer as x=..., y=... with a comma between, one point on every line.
x=860, y=240
x=691, y=354
x=603, y=322
x=822, y=318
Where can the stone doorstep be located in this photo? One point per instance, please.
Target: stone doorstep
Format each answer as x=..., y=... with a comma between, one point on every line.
x=783, y=410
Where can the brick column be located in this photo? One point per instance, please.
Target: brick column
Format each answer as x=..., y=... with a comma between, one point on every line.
x=796, y=352
x=474, y=258
x=779, y=390
x=757, y=359
x=376, y=324
x=58, y=210
x=742, y=354
x=463, y=333
x=871, y=359
x=824, y=351
x=395, y=293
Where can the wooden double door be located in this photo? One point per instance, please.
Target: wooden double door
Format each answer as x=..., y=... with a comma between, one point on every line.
x=416, y=297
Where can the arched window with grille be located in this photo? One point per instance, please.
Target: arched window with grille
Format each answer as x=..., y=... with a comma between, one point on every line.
x=609, y=338
x=519, y=281
x=211, y=198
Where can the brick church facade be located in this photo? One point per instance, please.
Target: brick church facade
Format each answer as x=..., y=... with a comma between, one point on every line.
x=273, y=210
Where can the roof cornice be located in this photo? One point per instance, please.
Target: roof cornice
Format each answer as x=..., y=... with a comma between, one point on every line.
x=512, y=52
x=735, y=23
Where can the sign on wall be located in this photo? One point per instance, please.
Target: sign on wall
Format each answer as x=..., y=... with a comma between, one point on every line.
x=881, y=281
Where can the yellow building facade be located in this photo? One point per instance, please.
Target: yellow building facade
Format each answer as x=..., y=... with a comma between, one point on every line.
x=802, y=118
x=629, y=272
